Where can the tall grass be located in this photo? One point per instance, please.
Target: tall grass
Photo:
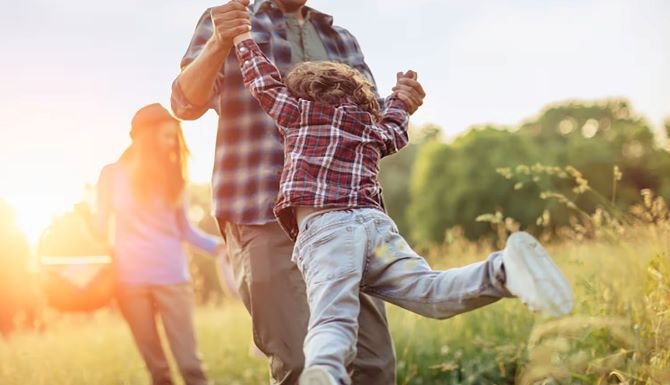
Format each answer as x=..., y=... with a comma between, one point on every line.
x=618, y=265
x=618, y=333
x=98, y=349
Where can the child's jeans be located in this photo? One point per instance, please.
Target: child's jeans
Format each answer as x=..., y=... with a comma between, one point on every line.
x=342, y=252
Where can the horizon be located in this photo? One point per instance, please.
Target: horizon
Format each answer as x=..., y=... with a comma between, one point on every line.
x=481, y=63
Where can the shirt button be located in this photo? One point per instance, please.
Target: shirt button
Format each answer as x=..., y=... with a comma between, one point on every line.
x=243, y=49
x=246, y=62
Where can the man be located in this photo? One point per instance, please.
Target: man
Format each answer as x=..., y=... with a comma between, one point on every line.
x=248, y=163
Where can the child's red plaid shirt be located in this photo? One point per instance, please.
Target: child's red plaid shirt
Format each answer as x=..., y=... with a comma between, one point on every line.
x=331, y=152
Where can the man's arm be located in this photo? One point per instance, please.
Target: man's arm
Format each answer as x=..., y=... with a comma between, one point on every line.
x=200, y=78
x=264, y=82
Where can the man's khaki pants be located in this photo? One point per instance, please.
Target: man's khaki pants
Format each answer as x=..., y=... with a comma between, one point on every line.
x=141, y=305
x=273, y=291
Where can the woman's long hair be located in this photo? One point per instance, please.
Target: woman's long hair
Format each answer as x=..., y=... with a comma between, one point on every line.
x=157, y=175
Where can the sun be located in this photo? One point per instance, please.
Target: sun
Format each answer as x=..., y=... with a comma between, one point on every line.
x=31, y=217
x=35, y=209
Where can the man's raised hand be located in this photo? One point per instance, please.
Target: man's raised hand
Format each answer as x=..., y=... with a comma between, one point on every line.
x=409, y=90
x=229, y=20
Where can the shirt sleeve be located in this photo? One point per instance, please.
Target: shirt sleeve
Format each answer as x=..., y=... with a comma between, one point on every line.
x=193, y=236
x=394, y=125
x=264, y=82
x=357, y=59
x=181, y=106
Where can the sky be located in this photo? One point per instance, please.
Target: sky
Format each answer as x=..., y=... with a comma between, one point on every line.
x=73, y=73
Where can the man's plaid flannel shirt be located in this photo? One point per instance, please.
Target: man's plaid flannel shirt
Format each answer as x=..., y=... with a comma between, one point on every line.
x=249, y=150
x=331, y=152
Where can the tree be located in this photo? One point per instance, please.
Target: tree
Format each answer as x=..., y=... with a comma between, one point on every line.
x=17, y=284
x=396, y=171
x=394, y=176
x=454, y=183
x=70, y=235
x=596, y=136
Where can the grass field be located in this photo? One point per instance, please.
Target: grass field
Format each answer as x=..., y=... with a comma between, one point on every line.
x=617, y=334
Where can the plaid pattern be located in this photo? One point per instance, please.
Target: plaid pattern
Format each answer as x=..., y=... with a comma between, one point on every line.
x=249, y=149
x=332, y=152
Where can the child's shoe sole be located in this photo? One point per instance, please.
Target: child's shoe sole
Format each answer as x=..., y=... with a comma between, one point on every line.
x=532, y=276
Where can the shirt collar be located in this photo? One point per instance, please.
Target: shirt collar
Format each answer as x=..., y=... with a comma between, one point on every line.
x=313, y=14
x=259, y=5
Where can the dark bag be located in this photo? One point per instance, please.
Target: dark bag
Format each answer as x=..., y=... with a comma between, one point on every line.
x=79, y=284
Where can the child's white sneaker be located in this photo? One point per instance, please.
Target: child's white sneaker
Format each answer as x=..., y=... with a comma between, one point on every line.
x=532, y=276
x=316, y=376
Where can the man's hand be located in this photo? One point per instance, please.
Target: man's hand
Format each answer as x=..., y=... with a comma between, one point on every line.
x=197, y=81
x=409, y=90
x=229, y=20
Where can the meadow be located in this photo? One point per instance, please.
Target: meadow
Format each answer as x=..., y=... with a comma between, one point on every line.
x=618, y=332
x=613, y=247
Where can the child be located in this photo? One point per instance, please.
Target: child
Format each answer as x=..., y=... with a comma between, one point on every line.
x=330, y=203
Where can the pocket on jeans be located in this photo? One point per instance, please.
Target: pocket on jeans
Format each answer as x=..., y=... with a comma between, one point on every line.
x=322, y=241
x=329, y=256
x=320, y=223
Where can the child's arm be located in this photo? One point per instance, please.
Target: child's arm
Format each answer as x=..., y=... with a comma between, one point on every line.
x=264, y=82
x=394, y=123
x=397, y=109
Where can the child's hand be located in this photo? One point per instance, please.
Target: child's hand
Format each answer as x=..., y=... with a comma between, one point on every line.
x=229, y=20
x=409, y=90
x=247, y=34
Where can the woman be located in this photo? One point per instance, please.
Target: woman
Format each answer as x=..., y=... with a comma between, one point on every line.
x=142, y=195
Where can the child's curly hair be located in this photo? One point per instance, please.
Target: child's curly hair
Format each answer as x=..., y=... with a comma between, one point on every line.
x=332, y=83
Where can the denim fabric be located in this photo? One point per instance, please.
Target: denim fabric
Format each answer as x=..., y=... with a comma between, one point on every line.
x=273, y=292
x=342, y=253
x=142, y=306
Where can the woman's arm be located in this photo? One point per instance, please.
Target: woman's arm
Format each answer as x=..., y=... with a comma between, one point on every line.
x=199, y=239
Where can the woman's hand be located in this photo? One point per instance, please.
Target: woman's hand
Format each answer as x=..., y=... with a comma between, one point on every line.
x=220, y=250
